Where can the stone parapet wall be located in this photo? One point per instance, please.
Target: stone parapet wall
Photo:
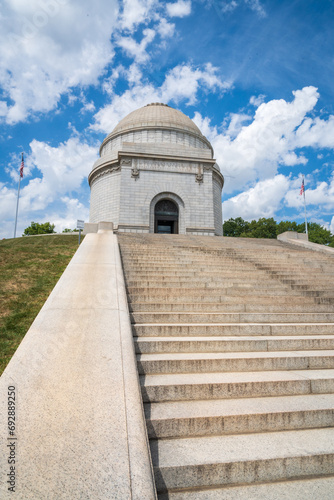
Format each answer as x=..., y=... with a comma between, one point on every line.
x=80, y=424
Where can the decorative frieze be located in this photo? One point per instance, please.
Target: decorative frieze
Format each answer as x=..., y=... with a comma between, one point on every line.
x=107, y=170
x=165, y=166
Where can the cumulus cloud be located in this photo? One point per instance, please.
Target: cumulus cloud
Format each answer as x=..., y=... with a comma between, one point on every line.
x=262, y=200
x=182, y=83
x=321, y=195
x=165, y=29
x=70, y=210
x=137, y=50
x=257, y=100
x=316, y=133
x=181, y=8
x=61, y=170
x=235, y=123
x=269, y=141
x=75, y=38
x=331, y=227
x=136, y=12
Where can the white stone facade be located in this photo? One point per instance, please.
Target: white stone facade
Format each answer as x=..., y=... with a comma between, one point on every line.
x=157, y=153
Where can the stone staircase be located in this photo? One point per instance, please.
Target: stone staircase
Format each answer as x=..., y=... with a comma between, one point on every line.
x=235, y=348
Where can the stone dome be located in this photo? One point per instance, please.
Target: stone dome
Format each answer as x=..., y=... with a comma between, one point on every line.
x=156, y=116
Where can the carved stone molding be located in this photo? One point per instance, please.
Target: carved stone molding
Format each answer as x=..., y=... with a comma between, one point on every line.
x=135, y=173
x=199, y=175
x=105, y=171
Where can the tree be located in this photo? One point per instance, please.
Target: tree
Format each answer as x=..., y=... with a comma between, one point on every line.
x=263, y=228
x=234, y=227
x=287, y=225
x=269, y=228
x=37, y=228
x=317, y=233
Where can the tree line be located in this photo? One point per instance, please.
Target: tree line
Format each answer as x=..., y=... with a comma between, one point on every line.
x=44, y=228
x=269, y=228
x=262, y=228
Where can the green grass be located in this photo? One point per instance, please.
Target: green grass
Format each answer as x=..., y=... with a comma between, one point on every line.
x=30, y=267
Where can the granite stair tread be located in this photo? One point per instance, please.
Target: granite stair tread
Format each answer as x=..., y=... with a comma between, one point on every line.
x=234, y=341
x=247, y=458
x=320, y=488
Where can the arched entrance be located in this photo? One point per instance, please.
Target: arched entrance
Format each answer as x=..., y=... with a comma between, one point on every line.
x=166, y=217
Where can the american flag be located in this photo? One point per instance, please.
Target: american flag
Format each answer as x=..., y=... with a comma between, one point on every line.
x=302, y=189
x=22, y=166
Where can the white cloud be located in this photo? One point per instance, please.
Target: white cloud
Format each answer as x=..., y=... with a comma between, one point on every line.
x=236, y=122
x=165, y=28
x=68, y=214
x=257, y=100
x=49, y=46
x=181, y=8
x=230, y=5
x=107, y=117
x=262, y=200
x=331, y=227
x=316, y=133
x=181, y=83
x=322, y=195
x=136, y=12
x=266, y=143
x=257, y=7
x=203, y=123
x=134, y=49
x=62, y=170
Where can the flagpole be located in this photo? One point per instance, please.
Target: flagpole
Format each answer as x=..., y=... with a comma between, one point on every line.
x=305, y=208
x=18, y=195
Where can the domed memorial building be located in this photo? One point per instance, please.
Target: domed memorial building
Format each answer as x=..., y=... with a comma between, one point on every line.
x=157, y=174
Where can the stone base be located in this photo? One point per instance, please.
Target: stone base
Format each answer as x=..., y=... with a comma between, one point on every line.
x=91, y=227
x=292, y=235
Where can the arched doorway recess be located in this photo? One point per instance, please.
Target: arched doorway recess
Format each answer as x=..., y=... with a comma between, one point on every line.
x=166, y=217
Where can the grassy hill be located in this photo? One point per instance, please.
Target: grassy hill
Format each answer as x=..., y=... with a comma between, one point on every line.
x=29, y=269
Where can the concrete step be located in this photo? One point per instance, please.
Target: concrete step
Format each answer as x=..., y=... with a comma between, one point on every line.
x=181, y=272
x=320, y=488
x=248, y=357
x=238, y=416
x=218, y=279
x=245, y=458
x=197, y=282
x=153, y=345
x=141, y=279
x=160, y=307
x=190, y=386
x=230, y=291
x=217, y=297
x=209, y=362
x=230, y=329
x=220, y=317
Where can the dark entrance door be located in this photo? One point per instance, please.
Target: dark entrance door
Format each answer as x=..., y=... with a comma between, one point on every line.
x=166, y=217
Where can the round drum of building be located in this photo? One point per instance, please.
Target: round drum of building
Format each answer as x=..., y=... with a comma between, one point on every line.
x=156, y=173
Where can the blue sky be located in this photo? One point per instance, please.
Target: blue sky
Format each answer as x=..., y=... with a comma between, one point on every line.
x=255, y=75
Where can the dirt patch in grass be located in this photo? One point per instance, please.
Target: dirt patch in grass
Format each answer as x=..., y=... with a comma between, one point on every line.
x=29, y=269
